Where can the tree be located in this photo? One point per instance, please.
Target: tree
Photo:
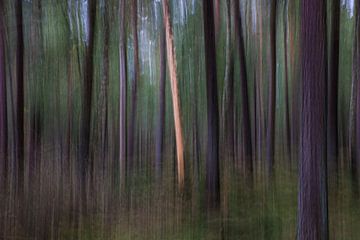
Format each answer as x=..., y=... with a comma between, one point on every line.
x=87, y=97
x=123, y=86
x=244, y=91
x=133, y=107
x=20, y=95
x=333, y=79
x=171, y=58
x=212, y=159
x=3, y=104
x=161, y=114
x=312, y=197
x=270, y=137
x=228, y=97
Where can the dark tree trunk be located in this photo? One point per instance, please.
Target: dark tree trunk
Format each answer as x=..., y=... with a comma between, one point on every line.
x=312, y=198
x=355, y=156
x=161, y=121
x=228, y=98
x=287, y=108
x=3, y=104
x=244, y=92
x=133, y=108
x=20, y=95
x=84, y=160
x=333, y=76
x=270, y=137
x=123, y=87
x=212, y=160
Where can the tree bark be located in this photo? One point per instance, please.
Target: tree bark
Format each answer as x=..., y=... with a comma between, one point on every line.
x=312, y=198
x=270, y=137
x=171, y=58
x=244, y=92
x=333, y=79
x=161, y=121
x=3, y=104
x=287, y=108
x=123, y=93
x=212, y=160
x=133, y=107
x=20, y=95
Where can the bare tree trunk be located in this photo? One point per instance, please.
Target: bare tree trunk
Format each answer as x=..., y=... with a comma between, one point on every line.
x=123, y=87
x=3, y=104
x=133, y=108
x=228, y=97
x=87, y=102
x=244, y=92
x=312, y=198
x=175, y=93
x=212, y=160
x=287, y=108
x=270, y=146
x=333, y=79
x=20, y=96
x=161, y=122
x=355, y=151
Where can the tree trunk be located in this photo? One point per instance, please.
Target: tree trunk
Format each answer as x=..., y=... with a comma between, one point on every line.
x=87, y=101
x=212, y=160
x=161, y=122
x=20, y=95
x=244, y=92
x=270, y=137
x=3, y=104
x=355, y=158
x=133, y=108
x=228, y=98
x=312, y=198
x=287, y=108
x=333, y=76
x=175, y=93
x=122, y=98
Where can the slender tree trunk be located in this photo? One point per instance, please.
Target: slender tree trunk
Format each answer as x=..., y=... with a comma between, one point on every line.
x=175, y=93
x=244, y=92
x=123, y=87
x=3, y=104
x=270, y=146
x=312, y=198
x=333, y=76
x=133, y=108
x=355, y=158
x=87, y=102
x=212, y=160
x=161, y=122
x=217, y=17
x=20, y=96
x=228, y=98
x=287, y=108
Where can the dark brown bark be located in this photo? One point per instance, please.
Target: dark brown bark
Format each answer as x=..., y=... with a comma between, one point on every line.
x=355, y=156
x=287, y=108
x=312, y=198
x=270, y=135
x=212, y=160
x=3, y=104
x=333, y=79
x=161, y=114
x=20, y=95
x=228, y=98
x=133, y=107
x=248, y=154
x=123, y=92
x=84, y=160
